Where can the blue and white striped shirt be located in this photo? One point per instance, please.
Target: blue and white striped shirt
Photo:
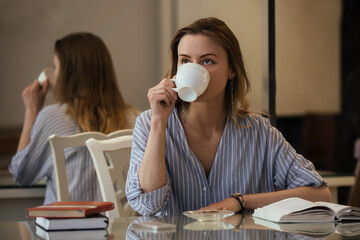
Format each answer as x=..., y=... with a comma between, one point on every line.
x=252, y=158
x=35, y=162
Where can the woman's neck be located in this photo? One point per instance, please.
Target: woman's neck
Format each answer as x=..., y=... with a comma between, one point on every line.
x=205, y=116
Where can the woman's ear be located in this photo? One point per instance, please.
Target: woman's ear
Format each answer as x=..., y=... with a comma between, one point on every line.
x=231, y=75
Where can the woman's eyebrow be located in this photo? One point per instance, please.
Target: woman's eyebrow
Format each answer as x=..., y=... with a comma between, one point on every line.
x=202, y=56
x=184, y=55
x=208, y=54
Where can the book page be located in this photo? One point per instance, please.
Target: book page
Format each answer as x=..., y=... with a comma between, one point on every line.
x=335, y=207
x=289, y=205
x=343, y=212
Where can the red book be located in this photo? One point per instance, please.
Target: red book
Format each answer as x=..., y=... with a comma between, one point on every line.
x=70, y=209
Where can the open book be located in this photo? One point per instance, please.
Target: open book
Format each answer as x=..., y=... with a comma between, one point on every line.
x=301, y=210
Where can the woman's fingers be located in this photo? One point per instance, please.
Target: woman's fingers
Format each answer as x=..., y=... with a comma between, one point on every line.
x=163, y=92
x=156, y=98
x=226, y=204
x=34, y=95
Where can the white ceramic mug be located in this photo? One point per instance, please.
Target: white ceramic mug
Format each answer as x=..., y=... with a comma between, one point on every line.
x=47, y=73
x=191, y=81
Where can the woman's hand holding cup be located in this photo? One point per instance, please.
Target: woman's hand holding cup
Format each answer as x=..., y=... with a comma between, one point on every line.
x=162, y=100
x=34, y=95
x=191, y=81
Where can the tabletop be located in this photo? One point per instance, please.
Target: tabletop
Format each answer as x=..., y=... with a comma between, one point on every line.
x=238, y=226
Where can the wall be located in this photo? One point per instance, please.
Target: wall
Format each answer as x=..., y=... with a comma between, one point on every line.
x=138, y=33
x=28, y=30
x=308, y=56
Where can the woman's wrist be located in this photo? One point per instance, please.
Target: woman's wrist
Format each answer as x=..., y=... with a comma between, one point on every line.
x=158, y=124
x=240, y=200
x=31, y=112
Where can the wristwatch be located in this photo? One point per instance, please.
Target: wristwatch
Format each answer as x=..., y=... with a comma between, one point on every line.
x=240, y=199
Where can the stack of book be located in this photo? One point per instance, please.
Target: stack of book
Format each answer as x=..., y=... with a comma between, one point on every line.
x=71, y=220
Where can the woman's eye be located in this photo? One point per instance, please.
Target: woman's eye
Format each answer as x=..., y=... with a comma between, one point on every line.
x=184, y=61
x=208, y=61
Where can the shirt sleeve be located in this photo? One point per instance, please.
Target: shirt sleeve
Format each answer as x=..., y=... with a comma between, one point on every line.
x=31, y=164
x=290, y=170
x=144, y=203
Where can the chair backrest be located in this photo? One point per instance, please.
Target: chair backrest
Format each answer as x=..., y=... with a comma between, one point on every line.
x=354, y=197
x=111, y=160
x=60, y=143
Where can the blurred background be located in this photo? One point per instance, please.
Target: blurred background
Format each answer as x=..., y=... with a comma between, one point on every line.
x=317, y=60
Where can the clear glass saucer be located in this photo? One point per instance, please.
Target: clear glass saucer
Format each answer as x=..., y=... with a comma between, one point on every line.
x=208, y=215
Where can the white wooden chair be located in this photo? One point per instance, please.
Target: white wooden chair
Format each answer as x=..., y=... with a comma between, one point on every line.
x=60, y=143
x=111, y=160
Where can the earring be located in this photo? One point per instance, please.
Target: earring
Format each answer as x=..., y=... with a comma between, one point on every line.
x=182, y=115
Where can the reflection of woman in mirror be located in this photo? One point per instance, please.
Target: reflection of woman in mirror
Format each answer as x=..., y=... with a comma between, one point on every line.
x=212, y=153
x=88, y=99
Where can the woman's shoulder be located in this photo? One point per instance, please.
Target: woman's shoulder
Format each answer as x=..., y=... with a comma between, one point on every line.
x=253, y=120
x=142, y=124
x=145, y=116
x=54, y=109
x=52, y=119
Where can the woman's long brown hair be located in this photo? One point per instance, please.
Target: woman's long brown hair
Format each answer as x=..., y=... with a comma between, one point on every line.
x=87, y=84
x=236, y=103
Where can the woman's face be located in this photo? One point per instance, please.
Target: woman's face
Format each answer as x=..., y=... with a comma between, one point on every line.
x=201, y=49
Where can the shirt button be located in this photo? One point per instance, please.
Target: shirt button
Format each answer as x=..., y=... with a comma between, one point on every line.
x=296, y=167
x=204, y=188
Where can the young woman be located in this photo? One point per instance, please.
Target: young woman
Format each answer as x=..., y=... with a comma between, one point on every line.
x=88, y=99
x=212, y=153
